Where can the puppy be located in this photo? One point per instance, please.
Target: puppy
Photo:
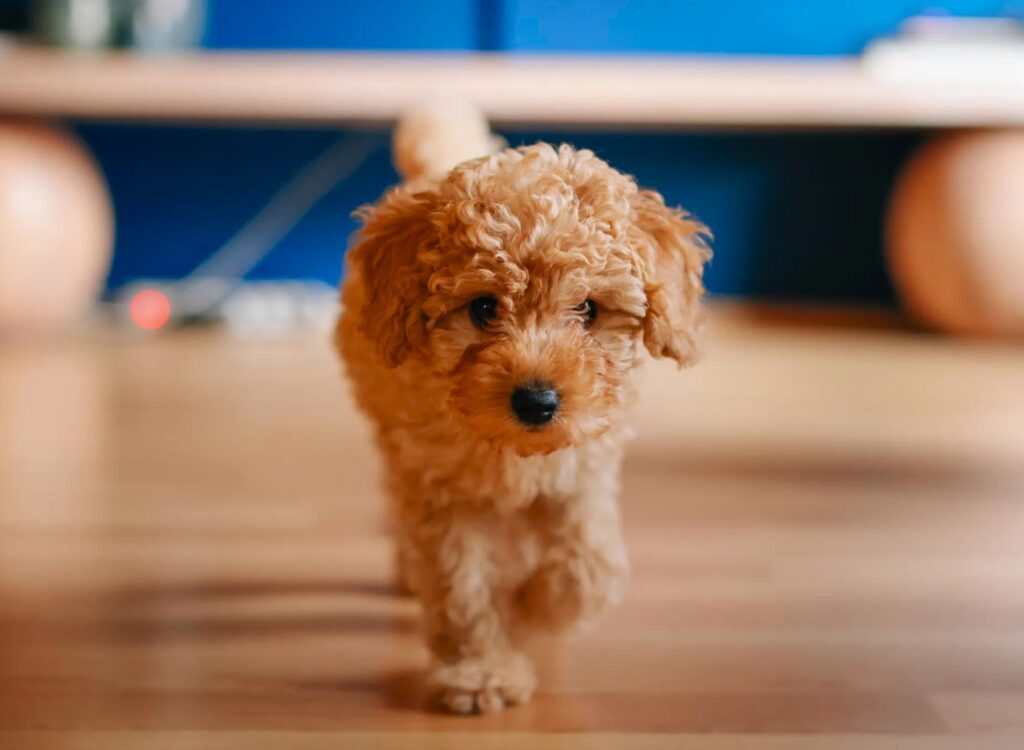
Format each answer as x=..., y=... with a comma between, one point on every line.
x=496, y=313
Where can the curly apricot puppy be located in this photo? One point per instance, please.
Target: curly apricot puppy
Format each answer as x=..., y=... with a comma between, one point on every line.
x=495, y=316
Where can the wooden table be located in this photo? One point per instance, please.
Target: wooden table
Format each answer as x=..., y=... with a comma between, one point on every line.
x=605, y=91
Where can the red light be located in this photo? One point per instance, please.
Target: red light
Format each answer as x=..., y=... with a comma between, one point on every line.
x=150, y=309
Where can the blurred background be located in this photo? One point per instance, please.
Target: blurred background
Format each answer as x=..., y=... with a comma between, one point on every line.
x=824, y=515
x=777, y=197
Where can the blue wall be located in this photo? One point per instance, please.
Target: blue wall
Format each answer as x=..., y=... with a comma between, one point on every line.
x=746, y=27
x=773, y=27
x=180, y=193
x=343, y=24
x=795, y=215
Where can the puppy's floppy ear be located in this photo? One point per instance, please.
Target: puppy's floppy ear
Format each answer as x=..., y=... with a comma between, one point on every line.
x=387, y=257
x=673, y=252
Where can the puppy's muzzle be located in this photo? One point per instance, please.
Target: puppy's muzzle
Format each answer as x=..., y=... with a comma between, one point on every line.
x=535, y=404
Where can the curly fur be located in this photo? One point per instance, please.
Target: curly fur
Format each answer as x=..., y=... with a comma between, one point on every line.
x=502, y=529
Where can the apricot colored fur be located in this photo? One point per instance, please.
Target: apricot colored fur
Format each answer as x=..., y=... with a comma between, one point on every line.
x=502, y=529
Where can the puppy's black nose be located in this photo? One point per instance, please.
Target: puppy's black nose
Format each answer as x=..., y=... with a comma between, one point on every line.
x=535, y=404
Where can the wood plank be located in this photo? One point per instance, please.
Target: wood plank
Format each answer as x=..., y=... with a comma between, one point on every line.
x=825, y=525
x=476, y=740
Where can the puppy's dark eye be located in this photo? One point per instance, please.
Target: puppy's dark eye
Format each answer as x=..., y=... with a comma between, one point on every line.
x=588, y=308
x=483, y=310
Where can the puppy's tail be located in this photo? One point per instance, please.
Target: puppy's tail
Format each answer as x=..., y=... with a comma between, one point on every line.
x=431, y=139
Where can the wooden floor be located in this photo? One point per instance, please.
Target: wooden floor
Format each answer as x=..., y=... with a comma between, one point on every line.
x=827, y=526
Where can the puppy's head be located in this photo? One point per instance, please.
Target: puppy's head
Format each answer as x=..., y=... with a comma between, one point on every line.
x=528, y=281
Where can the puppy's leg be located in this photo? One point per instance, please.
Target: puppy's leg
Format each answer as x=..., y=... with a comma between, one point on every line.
x=584, y=567
x=475, y=669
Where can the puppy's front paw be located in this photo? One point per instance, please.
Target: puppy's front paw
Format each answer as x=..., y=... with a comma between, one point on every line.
x=482, y=684
x=560, y=594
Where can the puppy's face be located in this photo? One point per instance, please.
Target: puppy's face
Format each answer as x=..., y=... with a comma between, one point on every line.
x=528, y=281
x=536, y=341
